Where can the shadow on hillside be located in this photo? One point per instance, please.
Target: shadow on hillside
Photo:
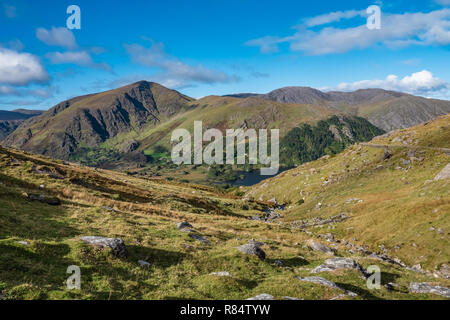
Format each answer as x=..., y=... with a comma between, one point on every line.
x=156, y=257
x=42, y=264
x=365, y=294
x=290, y=262
x=26, y=219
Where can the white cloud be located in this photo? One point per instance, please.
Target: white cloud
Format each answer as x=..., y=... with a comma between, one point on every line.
x=397, y=30
x=81, y=58
x=333, y=17
x=17, y=68
x=45, y=92
x=421, y=83
x=174, y=73
x=61, y=37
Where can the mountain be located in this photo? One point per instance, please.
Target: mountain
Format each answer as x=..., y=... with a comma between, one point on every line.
x=10, y=120
x=388, y=110
x=130, y=127
x=394, y=193
x=92, y=119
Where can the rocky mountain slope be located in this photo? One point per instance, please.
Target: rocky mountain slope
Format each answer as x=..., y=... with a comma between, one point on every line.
x=131, y=126
x=92, y=119
x=10, y=120
x=393, y=195
x=137, y=238
x=388, y=110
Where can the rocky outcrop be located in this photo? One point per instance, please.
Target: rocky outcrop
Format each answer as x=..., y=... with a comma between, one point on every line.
x=263, y=296
x=92, y=119
x=115, y=244
x=333, y=264
x=253, y=248
x=422, y=287
x=444, y=173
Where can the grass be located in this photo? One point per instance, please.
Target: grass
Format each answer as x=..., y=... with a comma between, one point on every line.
x=146, y=212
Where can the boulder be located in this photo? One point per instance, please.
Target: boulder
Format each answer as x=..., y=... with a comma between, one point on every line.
x=143, y=264
x=199, y=238
x=183, y=225
x=444, y=270
x=130, y=146
x=422, y=287
x=221, y=274
x=116, y=244
x=444, y=174
x=317, y=246
x=333, y=264
x=387, y=154
x=263, y=296
x=253, y=247
x=53, y=201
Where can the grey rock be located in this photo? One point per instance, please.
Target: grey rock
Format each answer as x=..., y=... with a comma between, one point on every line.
x=263, y=296
x=199, y=238
x=317, y=246
x=183, y=224
x=221, y=274
x=253, y=247
x=339, y=263
x=143, y=264
x=24, y=243
x=130, y=146
x=291, y=298
x=108, y=208
x=444, y=270
x=279, y=263
x=444, y=174
x=53, y=201
x=116, y=244
x=387, y=154
x=422, y=287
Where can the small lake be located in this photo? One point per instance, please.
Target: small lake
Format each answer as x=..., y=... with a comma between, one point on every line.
x=253, y=177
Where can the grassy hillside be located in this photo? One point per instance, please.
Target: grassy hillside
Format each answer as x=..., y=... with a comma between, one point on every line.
x=394, y=205
x=39, y=239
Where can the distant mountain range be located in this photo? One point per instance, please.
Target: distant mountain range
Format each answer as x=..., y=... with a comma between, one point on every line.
x=388, y=110
x=141, y=116
x=10, y=120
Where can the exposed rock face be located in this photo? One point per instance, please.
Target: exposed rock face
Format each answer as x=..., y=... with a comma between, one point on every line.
x=10, y=120
x=333, y=264
x=221, y=274
x=317, y=246
x=421, y=287
x=444, y=174
x=116, y=244
x=393, y=110
x=253, y=247
x=183, y=225
x=263, y=296
x=130, y=146
x=92, y=119
x=53, y=201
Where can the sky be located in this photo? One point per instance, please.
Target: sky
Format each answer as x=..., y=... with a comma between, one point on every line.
x=217, y=47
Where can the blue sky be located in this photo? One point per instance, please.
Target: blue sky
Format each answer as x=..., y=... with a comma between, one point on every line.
x=203, y=47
